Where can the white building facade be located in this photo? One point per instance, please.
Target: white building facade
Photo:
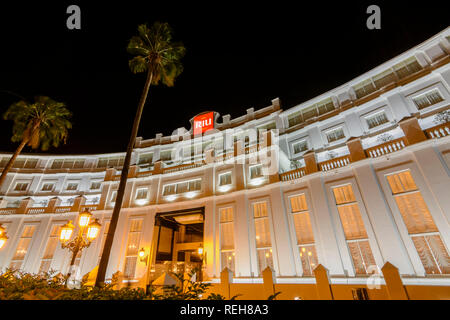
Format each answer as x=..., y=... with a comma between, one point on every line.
x=361, y=179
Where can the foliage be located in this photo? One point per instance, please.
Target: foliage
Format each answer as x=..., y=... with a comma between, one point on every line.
x=156, y=52
x=295, y=164
x=384, y=137
x=442, y=117
x=43, y=123
x=18, y=285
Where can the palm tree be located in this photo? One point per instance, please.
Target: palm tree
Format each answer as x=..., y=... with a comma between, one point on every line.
x=43, y=123
x=155, y=53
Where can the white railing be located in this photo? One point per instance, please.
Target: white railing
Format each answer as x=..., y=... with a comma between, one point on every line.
x=386, y=148
x=334, y=163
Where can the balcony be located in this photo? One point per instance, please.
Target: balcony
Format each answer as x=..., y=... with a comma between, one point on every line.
x=386, y=148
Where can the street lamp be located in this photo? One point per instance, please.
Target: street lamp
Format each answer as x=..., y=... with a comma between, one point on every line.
x=83, y=239
x=3, y=236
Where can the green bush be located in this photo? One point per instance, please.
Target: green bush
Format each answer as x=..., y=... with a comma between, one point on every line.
x=17, y=285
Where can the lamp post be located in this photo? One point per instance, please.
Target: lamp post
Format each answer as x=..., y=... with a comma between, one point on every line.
x=82, y=240
x=3, y=236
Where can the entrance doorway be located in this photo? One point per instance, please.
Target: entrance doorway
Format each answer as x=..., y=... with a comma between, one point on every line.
x=178, y=242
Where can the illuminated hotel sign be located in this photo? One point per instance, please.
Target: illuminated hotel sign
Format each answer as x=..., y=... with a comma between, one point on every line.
x=203, y=122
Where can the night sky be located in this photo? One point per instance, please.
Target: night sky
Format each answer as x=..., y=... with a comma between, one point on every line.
x=237, y=57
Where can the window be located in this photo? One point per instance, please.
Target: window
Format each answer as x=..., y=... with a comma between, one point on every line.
x=256, y=172
x=48, y=187
x=141, y=194
x=376, y=120
x=225, y=179
x=111, y=162
x=102, y=244
x=72, y=186
x=262, y=236
x=113, y=196
x=354, y=230
x=182, y=187
x=335, y=134
x=384, y=78
x=68, y=163
x=21, y=186
x=50, y=249
x=166, y=155
x=300, y=146
x=295, y=118
x=169, y=189
x=427, y=99
x=364, y=88
x=96, y=185
x=420, y=224
x=22, y=247
x=131, y=254
x=20, y=163
x=145, y=159
x=407, y=67
x=304, y=232
x=226, y=226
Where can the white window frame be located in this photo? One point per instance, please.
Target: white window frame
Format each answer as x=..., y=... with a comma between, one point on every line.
x=28, y=183
x=346, y=256
x=224, y=174
x=218, y=238
x=140, y=189
x=299, y=141
x=252, y=234
x=47, y=183
x=293, y=237
x=435, y=211
x=443, y=91
x=335, y=128
x=366, y=116
x=250, y=172
x=66, y=189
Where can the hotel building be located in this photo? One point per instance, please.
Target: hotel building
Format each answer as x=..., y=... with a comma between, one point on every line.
x=350, y=180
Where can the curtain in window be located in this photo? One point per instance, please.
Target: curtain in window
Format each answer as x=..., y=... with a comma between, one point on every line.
x=361, y=255
x=22, y=247
x=344, y=194
x=303, y=228
x=265, y=259
x=227, y=238
x=415, y=213
x=262, y=231
x=298, y=203
x=50, y=249
x=134, y=236
x=432, y=253
x=260, y=209
x=308, y=258
x=352, y=222
x=401, y=182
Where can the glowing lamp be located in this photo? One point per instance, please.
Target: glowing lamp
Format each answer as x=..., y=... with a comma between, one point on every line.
x=171, y=197
x=3, y=239
x=93, y=230
x=200, y=250
x=2, y=229
x=84, y=218
x=190, y=194
x=66, y=231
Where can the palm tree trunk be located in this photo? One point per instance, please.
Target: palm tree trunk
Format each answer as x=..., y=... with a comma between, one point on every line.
x=24, y=142
x=11, y=161
x=123, y=181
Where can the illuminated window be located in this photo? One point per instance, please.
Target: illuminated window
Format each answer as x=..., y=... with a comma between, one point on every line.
x=427, y=99
x=354, y=230
x=335, y=134
x=420, y=224
x=225, y=179
x=113, y=197
x=376, y=120
x=141, y=194
x=364, y=88
x=131, y=254
x=22, y=247
x=102, y=244
x=304, y=232
x=67, y=163
x=50, y=249
x=111, y=162
x=227, y=238
x=256, y=172
x=262, y=236
x=407, y=67
x=145, y=159
x=182, y=187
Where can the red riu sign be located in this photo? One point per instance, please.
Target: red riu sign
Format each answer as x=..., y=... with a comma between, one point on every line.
x=203, y=123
